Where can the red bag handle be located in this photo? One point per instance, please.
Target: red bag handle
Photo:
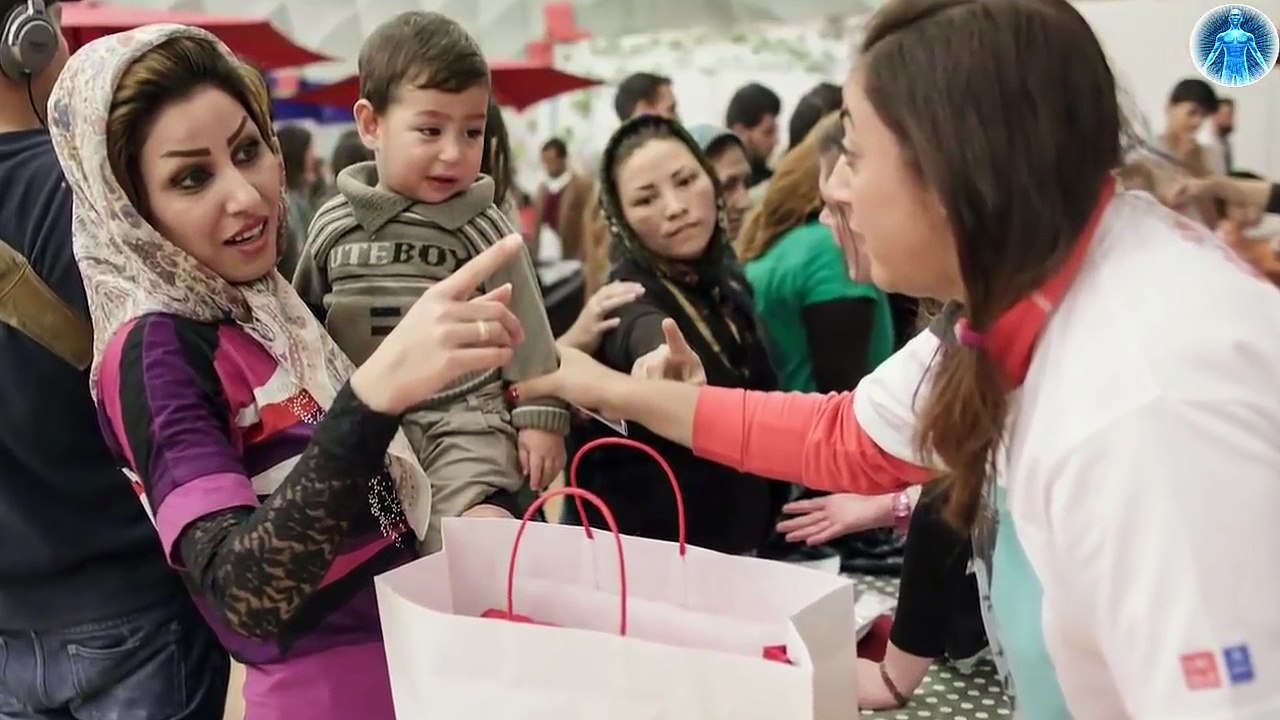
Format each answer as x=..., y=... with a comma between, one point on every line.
x=580, y=495
x=624, y=442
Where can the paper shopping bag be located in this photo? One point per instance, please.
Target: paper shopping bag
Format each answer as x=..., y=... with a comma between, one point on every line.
x=695, y=627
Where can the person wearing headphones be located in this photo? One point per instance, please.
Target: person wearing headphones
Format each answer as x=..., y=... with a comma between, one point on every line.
x=93, y=623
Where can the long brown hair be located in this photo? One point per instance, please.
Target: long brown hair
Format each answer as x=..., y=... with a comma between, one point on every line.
x=167, y=73
x=792, y=198
x=1007, y=109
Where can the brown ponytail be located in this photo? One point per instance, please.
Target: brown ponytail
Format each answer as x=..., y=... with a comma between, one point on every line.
x=747, y=245
x=961, y=424
x=1007, y=112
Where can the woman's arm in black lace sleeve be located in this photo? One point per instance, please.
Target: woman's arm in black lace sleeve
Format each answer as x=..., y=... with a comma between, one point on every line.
x=259, y=566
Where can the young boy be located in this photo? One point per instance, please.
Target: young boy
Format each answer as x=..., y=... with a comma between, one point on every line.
x=407, y=220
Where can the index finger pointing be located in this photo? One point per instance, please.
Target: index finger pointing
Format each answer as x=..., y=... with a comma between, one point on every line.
x=676, y=343
x=464, y=281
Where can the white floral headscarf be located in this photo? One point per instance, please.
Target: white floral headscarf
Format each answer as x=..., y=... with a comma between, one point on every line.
x=130, y=269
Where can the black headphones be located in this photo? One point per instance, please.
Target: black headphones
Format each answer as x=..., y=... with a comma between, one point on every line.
x=28, y=43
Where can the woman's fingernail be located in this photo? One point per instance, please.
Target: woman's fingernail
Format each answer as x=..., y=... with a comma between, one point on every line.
x=513, y=394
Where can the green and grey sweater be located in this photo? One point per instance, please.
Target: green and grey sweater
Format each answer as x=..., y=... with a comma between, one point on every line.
x=371, y=253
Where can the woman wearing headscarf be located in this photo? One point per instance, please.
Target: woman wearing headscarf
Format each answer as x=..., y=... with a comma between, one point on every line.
x=276, y=474
x=662, y=205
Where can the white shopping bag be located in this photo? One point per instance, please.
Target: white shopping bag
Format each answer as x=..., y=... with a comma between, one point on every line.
x=696, y=626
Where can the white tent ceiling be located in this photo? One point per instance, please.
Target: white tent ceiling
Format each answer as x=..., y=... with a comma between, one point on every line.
x=503, y=27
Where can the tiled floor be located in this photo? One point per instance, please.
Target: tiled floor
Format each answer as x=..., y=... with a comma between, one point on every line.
x=946, y=692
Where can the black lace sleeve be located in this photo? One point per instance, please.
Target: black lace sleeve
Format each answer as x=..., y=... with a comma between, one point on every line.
x=257, y=566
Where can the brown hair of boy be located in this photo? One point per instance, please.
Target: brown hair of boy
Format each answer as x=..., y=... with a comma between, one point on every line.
x=427, y=50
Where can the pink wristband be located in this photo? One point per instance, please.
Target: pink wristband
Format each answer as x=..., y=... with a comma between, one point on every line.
x=901, y=512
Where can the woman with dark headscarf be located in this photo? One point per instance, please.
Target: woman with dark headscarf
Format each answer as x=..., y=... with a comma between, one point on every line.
x=663, y=208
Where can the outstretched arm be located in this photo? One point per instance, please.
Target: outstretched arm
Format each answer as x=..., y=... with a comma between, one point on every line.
x=862, y=442
x=1252, y=47
x=851, y=442
x=815, y=440
x=1217, y=49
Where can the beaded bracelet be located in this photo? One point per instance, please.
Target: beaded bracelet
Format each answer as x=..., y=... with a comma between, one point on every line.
x=898, y=697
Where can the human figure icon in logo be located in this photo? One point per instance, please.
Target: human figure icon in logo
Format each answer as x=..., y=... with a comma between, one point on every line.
x=1239, y=49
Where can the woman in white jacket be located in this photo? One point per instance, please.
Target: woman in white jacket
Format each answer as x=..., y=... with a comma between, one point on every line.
x=1131, y=429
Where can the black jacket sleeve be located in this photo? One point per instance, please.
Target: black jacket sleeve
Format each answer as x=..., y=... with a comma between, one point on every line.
x=638, y=333
x=839, y=335
x=934, y=569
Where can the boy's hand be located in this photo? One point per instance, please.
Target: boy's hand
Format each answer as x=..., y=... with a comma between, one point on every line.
x=486, y=511
x=541, y=456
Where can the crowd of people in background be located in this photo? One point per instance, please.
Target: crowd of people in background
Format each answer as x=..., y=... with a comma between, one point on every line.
x=281, y=360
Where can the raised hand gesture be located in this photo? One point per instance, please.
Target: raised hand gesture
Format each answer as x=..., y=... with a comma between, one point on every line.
x=594, y=321
x=673, y=360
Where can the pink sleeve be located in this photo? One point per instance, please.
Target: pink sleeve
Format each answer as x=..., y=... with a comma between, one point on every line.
x=811, y=439
x=170, y=430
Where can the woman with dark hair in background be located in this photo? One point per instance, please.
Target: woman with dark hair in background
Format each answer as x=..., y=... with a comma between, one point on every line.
x=300, y=179
x=498, y=164
x=663, y=208
x=814, y=105
x=1117, y=425
x=348, y=151
x=826, y=330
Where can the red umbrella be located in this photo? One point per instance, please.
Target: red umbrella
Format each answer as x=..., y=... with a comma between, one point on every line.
x=252, y=38
x=516, y=83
